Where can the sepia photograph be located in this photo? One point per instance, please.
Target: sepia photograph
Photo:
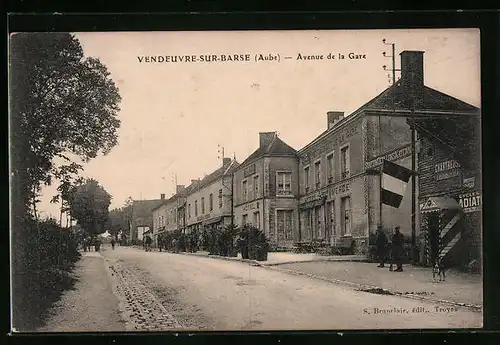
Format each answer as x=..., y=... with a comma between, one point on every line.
x=170, y=181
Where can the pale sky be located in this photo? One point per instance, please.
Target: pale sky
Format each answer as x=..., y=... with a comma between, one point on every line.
x=174, y=115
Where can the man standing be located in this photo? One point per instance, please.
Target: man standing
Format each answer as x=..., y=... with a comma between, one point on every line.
x=397, y=249
x=381, y=243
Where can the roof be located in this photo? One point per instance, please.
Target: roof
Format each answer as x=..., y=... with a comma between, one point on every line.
x=433, y=101
x=143, y=208
x=167, y=201
x=211, y=178
x=276, y=147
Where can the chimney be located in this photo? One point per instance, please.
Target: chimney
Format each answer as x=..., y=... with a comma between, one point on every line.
x=194, y=181
x=333, y=117
x=266, y=138
x=226, y=161
x=179, y=189
x=162, y=196
x=412, y=78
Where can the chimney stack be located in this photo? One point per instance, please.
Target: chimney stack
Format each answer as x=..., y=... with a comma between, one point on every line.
x=412, y=78
x=162, y=196
x=179, y=189
x=226, y=161
x=194, y=181
x=333, y=117
x=266, y=138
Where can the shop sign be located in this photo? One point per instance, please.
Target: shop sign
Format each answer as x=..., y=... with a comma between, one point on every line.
x=251, y=206
x=469, y=182
x=391, y=156
x=470, y=202
x=335, y=140
x=249, y=170
x=329, y=192
x=447, y=169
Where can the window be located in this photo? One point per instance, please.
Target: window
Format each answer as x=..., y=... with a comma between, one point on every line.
x=244, y=219
x=345, y=209
x=284, y=183
x=256, y=219
x=329, y=168
x=306, y=179
x=189, y=210
x=244, y=190
x=256, y=186
x=203, y=205
x=317, y=174
x=220, y=198
x=284, y=224
x=344, y=161
x=196, y=208
x=211, y=202
x=318, y=217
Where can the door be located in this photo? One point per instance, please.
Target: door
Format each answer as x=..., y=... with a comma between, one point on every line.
x=331, y=220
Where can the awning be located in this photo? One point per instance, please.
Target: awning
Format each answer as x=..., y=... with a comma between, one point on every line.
x=438, y=203
x=212, y=220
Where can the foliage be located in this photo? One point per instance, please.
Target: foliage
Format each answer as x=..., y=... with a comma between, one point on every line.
x=253, y=243
x=63, y=104
x=89, y=206
x=205, y=239
x=227, y=240
x=52, y=253
x=63, y=107
x=119, y=218
x=193, y=241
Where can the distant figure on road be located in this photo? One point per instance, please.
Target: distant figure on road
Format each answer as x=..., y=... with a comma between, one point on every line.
x=397, y=249
x=97, y=245
x=381, y=243
x=148, y=243
x=113, y=243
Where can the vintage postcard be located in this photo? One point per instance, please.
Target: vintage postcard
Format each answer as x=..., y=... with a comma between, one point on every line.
x=246, y=180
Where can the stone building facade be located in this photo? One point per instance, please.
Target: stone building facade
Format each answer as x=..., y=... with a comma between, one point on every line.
x=168, y=215
x=208, y=200
x=266, y=190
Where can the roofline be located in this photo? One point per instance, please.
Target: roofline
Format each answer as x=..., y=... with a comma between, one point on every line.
x=267, y=155
x=342, y=123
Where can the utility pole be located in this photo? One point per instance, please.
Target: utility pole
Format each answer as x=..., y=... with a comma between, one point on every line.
x=413, y=149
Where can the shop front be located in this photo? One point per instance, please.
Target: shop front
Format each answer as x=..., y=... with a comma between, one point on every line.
x=451, y=225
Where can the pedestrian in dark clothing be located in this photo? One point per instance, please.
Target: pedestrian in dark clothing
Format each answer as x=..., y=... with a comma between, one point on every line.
x=113, y=243
x=381, y=243
x=397, y=249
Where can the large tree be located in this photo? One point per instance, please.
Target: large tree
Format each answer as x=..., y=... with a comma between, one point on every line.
x=61, y=103
x=89, y=205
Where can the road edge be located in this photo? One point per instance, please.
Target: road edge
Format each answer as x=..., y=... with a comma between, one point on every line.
x=274, y=266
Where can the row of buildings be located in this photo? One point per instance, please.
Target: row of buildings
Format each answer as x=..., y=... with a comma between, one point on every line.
x=330, y=190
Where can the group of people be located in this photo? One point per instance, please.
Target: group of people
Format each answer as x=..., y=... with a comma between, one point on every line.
x=148, y=243
x=89, y=242
x=396, y=248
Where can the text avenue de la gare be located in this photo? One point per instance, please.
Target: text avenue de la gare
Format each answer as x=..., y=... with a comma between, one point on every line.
x=242, y=57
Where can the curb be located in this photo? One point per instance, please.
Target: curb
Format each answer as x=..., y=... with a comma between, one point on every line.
x=357, y=286
x=273, y=266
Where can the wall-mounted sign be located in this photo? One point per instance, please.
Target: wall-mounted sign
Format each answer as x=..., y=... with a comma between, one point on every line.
x=331, y=143
x=447, y=169
x=251, y=206
x=470, y=202
x=249, y=170
x=469, y=182
x=391, y=156
x=328, y=193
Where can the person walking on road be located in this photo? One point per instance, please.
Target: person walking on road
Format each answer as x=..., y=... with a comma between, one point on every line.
x=113, y=243
x=148, y=243
x=397, y=249
x=381, y=244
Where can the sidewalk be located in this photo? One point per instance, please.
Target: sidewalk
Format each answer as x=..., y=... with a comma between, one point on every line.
x=459, y=288
x=91, y=305
x=414, y=282
x=280, y=258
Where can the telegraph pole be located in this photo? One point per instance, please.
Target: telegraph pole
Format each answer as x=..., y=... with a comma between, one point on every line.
x=413, y=149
